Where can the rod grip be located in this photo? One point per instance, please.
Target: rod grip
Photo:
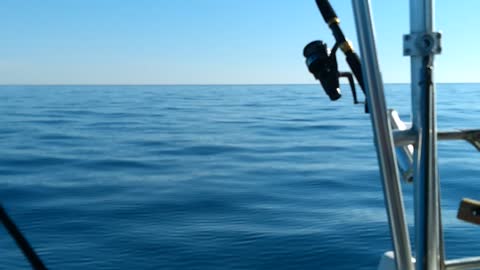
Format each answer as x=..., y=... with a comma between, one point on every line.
x=356, y=67
x=326, y=9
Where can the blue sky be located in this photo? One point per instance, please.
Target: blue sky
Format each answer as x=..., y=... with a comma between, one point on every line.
x=208, y=41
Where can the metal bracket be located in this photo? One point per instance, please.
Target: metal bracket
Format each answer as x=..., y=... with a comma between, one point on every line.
x=469, y=211
x=422, y=44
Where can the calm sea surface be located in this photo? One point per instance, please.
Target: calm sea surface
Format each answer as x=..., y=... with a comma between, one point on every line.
x=212, y=177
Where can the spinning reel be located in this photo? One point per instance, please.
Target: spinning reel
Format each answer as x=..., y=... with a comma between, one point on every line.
x=322, y=63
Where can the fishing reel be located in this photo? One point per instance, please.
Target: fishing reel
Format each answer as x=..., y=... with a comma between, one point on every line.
x=322, y=63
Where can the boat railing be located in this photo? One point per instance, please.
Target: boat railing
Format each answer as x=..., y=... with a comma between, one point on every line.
x=415, y=146
x=407, y=151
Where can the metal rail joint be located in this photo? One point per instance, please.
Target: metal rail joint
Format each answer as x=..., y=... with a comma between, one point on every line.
x=422, y=44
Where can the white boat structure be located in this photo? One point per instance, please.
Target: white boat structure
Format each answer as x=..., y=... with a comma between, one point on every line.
x=403, y=151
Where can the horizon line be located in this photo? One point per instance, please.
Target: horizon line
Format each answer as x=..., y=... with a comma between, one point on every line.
x=189, y=84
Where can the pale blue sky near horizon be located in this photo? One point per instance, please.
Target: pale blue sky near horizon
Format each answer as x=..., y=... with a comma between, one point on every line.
x=209, y=41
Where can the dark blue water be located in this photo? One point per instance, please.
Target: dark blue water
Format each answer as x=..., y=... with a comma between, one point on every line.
x=211, y=177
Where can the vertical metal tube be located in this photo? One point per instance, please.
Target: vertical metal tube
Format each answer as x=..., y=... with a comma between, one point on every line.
x=383, y=135
x=428, y=239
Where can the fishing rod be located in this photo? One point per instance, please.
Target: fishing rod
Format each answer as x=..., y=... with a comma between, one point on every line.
x=21, y=241
x=323, y=64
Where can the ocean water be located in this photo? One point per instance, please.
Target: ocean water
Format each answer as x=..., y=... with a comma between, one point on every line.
x=212, y=177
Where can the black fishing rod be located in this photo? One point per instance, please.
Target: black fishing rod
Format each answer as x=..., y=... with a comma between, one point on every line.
x=323, y=65
x=21, y=241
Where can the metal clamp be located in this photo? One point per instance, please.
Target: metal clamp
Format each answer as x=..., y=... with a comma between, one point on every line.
x=422, y=44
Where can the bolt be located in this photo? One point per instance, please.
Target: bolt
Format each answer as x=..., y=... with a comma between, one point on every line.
x=427, y=42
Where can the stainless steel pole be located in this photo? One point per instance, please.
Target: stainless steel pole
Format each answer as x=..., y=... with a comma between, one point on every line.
x=383, y=135
x=428, y=238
